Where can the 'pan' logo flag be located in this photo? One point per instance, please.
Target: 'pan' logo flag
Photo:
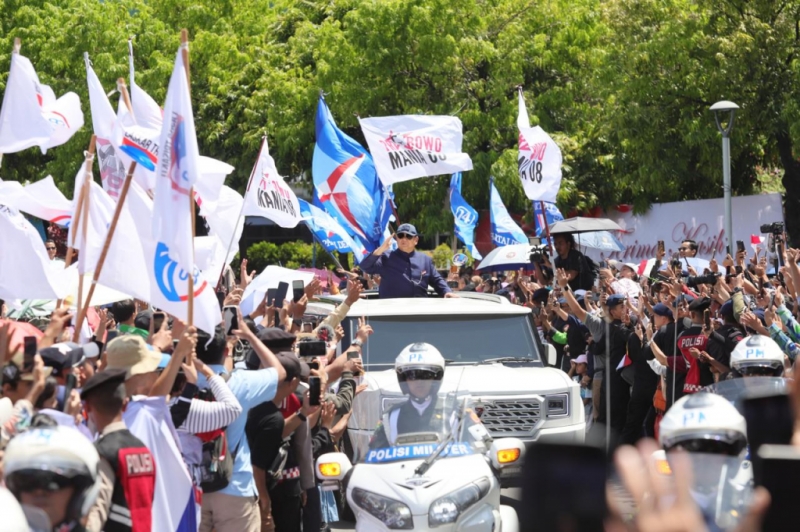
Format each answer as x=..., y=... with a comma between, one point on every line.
x=177, y=171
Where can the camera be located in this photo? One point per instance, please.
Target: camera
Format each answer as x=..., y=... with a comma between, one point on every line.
x=538, y=253
x=776, y=228
x=709, y=278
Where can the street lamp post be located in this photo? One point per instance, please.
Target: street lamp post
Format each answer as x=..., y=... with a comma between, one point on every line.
x=720, y=108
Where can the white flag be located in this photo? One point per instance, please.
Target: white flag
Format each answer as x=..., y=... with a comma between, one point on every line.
x=269, y=196
x=26, y=272
x=124, y=268
x=539, y=159
x=41, y=199
x=410, y=146
x=177, y=171
x=104, y=123
x=31, y=115
x=224, y=221
x=168, y=281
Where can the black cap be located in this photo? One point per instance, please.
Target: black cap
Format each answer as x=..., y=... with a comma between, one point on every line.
x=541, y=295
x=294, y=366
x=114, y=376
x=62, y=356
x=276, y=339
x=700, y=304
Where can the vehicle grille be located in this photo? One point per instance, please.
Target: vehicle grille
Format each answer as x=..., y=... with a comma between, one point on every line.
x=510, y=418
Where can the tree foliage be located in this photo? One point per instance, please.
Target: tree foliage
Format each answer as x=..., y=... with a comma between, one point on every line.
x=623, y=86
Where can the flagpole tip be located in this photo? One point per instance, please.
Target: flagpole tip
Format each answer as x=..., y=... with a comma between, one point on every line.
x=92, y=145
x=17, y=44
x=184, y=36
x=120, y=82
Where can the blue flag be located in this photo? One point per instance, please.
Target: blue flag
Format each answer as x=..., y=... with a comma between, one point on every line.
x=466, y=217
x=328, y=232
x=346, y=182
x=505, y=231
x=551, y=214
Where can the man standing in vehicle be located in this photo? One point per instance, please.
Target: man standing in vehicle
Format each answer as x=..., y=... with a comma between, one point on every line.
x=404, y=272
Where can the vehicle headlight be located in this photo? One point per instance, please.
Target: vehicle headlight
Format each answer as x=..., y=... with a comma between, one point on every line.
x=447, y=509
x=557, y=405
x=394, y=514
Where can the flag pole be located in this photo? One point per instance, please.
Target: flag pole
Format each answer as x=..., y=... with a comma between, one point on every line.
x=241, y=211
x=546, y=226
x=87, y=178
x=76, y=219
x=83, y=311
x=317, y=240
x=190, y=298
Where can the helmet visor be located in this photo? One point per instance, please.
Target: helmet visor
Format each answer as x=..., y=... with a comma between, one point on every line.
x=420, y=375
x=727, y=444
x=27, y=480
x=775, y=370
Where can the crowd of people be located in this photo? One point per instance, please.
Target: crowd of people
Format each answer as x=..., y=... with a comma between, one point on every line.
x=91, y=433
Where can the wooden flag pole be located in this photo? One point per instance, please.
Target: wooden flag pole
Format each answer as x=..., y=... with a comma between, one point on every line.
x=83, y=310
x=76, y=219
x=84, y=226
x=190, y=298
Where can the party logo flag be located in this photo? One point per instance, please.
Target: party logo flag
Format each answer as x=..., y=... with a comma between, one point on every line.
x=550, y=216
x=466, y=218
x=346, y=181
x=31, y=115
x=505, y=230
x=328, y=232
x=178, y=169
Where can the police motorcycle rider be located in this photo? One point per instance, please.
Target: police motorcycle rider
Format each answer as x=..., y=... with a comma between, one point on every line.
x=757, y=356
x=420, y=369
x=53, y=473
x=714, y=434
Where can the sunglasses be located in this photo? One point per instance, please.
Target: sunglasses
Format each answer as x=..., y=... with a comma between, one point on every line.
x=404, y=235
x=29, y=480
x=708, y=446
x=50, y=247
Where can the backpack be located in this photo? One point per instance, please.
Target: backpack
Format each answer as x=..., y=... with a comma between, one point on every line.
x=216, y=465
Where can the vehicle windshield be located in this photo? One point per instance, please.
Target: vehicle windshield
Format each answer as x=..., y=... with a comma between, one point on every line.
x=460, y=339
x=448, y=421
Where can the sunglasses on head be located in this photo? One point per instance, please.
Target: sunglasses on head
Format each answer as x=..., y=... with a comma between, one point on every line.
x=404, y=235
x=34, y=480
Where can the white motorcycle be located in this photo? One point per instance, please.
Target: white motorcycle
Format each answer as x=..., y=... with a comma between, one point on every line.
x=444, y=478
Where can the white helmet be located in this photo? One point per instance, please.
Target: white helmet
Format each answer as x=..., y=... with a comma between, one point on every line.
x=704, y=423
x=50, y=458
x=419, y=361
x=757, y=356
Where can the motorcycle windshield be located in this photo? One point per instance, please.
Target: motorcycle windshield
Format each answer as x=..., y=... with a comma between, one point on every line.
x=737, y=390
x=722, y=487
x=414, y=431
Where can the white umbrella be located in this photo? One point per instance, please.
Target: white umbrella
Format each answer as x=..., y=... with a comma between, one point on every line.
x=507, y=258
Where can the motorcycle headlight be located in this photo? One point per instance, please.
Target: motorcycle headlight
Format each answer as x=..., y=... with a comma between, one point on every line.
x=394, y=514
x=447, y=509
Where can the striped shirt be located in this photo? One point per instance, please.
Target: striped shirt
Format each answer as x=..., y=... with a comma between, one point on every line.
x=205, y=416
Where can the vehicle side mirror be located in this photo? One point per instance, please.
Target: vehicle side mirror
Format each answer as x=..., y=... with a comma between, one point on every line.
x=333, y=467
x=552, y=355
x=506, y=452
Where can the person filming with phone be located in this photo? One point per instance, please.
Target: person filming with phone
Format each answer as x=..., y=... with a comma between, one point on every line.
x=404, y=272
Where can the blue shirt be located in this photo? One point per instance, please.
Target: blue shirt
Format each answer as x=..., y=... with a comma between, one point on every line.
x=251, y=388
x=404, y=274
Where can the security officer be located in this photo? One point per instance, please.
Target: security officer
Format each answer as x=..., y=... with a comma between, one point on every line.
x=127, y=468
x=420, y=369
x=404, y=272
